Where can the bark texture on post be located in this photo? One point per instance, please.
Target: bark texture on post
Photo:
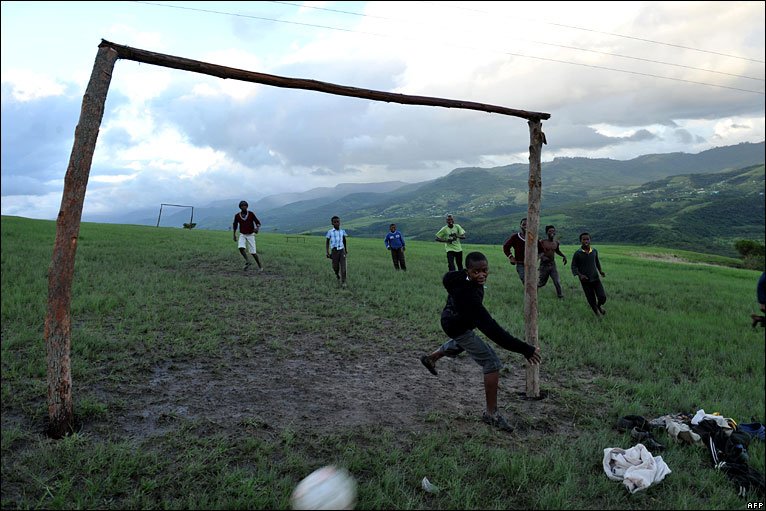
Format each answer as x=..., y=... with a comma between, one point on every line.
x=536, y=141
x=58, y=322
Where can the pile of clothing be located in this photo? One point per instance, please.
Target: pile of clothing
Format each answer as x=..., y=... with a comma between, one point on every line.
x=726, y=441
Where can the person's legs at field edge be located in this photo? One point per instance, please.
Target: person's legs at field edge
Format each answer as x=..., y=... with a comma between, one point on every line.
x=395, y=257
x=339, y=265
x=402, y=264
x=335, y=258
x=520, y=271
x=600, y=296
x=250, y=241
x=591, y=290
x=556, y=281
x=451, y=260
x=485, y=356
x=459, y=260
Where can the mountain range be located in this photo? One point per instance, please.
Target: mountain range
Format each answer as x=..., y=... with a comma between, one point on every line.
x=702, y=202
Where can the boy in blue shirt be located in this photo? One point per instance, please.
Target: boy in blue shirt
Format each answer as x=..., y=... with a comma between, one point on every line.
x=337, y=249
x=464, y=312
x=395, y=243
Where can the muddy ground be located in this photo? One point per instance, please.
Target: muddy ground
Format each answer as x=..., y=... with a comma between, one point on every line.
x=317, y=391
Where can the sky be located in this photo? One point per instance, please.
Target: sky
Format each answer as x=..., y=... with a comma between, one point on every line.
x=619, y=80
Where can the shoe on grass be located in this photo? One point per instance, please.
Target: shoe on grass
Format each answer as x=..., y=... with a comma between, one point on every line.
x=497, y=421
x=247, y=265
x=426, y=361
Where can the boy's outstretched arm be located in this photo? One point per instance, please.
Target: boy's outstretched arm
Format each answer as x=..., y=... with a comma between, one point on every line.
x=500, y=336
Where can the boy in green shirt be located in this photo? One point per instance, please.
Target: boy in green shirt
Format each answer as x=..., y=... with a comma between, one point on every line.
x=450, y=235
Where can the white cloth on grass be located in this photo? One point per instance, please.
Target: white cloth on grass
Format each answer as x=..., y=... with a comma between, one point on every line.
x=635, y=467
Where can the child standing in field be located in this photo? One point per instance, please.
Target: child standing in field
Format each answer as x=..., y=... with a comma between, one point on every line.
x=249, y=225
x=337, y=250
x=450, y=235
x=587, y=267
x=395, y=244
x=464, y=312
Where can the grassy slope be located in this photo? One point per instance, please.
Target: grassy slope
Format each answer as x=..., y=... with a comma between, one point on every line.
x=677, y=338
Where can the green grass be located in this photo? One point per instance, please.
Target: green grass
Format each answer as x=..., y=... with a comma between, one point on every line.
x=677, y=338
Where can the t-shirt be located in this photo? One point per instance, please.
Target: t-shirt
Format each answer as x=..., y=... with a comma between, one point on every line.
x=336, y=238
x=452, y=233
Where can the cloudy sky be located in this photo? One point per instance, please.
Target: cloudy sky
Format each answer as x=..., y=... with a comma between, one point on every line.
x=620, y=79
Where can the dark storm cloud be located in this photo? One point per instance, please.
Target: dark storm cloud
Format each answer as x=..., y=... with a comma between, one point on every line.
x=37, y=140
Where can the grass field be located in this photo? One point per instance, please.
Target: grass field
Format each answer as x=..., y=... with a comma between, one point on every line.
x=200, y=386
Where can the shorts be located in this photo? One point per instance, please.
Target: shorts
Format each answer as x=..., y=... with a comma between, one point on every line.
x=481, y=352
x=247, y=241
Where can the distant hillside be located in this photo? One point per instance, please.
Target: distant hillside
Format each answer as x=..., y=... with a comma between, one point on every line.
x=698, y=212
x=698, y=201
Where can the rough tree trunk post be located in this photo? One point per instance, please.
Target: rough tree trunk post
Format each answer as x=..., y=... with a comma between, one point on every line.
x=58, y=321
x=536, y=141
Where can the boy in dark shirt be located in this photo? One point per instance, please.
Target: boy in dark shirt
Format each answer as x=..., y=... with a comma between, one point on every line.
x=587, y=267
x=465, y=312
x=514, y=249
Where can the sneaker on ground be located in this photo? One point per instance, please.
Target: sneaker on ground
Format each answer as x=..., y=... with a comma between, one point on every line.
x=497, y=421
x=247, y=265
x=426, y=361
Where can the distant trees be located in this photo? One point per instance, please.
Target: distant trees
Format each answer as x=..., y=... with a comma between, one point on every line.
x=190, y=225
x=753, y=253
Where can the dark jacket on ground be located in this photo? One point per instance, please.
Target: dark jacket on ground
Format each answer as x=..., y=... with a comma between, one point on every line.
x=465, y=311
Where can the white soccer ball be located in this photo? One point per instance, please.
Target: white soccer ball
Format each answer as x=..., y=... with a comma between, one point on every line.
x=328, y=487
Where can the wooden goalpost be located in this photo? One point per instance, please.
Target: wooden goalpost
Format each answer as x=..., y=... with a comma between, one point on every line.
x=58, y=319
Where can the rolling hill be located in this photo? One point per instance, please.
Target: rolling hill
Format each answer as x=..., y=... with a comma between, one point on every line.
x=701, y=201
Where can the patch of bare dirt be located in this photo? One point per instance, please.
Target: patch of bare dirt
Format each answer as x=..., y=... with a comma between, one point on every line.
x=319, y=391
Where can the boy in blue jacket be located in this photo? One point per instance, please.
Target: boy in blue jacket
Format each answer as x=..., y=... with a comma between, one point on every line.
x=464, y=312
x=395, y=243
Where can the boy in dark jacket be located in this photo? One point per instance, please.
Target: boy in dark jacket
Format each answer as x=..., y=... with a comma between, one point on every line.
x=587, y=267
x=465, y=312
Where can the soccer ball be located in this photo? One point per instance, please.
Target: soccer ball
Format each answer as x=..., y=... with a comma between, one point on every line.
x=325, y=488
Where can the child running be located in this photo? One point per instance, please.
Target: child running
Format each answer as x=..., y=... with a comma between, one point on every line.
x=587, y=267
x=249, y=225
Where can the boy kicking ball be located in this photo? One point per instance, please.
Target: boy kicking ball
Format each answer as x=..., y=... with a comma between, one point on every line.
x=465, y=312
